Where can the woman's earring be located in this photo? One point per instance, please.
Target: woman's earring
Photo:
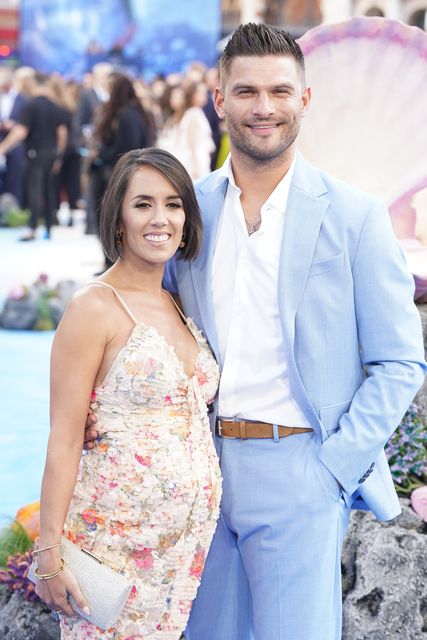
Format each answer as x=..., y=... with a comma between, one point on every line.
x=118, y=238
x=182, y=243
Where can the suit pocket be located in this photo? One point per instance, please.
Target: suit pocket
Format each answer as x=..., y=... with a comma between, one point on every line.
x=331, y=414
x=328, y=264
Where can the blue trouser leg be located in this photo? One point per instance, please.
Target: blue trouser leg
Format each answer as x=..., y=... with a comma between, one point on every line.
x=279, y=538
x=223, y=599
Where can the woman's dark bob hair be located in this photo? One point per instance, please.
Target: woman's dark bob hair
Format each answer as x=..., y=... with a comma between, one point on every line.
x=175, y=173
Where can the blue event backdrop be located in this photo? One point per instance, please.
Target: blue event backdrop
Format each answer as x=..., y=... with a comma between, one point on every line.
x=145, y=36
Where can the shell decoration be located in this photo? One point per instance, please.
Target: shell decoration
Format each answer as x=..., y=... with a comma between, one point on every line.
x=366, y=123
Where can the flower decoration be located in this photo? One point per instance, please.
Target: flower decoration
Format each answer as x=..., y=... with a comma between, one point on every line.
x=407, y=452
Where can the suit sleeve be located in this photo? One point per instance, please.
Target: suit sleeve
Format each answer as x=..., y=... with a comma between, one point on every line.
x=169, y=278
x=391, y=350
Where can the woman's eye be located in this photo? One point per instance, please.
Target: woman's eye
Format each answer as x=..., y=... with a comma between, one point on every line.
x=142, y=205
x=175, y=205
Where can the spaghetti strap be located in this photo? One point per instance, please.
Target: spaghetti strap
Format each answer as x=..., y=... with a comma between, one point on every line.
x=118, y=296
x=177, y=307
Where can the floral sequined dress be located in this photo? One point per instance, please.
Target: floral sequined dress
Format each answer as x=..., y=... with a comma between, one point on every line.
x=147, y=496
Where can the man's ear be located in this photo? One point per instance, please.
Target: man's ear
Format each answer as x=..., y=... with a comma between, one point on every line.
x=305, y=99
x=218, y=100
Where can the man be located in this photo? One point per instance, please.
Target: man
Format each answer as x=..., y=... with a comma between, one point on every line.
x=91, y=100
x=42, y=127
x=11, y=103
x=303, y=293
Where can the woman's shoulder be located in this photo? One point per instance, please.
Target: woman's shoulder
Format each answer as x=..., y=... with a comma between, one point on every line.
x=88, y=315
x=94, y=299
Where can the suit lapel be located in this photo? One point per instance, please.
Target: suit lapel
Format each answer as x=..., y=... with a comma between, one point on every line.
x=211, y=203
x=305, y=211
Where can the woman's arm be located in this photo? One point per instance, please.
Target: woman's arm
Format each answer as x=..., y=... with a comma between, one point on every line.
x=77, y=353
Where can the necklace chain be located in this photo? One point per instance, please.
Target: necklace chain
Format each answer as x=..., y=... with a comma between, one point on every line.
x=253, y=228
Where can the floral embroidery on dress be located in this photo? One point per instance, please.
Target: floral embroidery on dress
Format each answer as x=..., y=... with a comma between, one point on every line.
x=147, y=496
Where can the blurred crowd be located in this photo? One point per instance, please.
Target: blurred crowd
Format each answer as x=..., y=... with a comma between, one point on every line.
x=59, y=139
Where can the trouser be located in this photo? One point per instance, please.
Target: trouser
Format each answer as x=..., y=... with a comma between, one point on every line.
x=69, y=179
x=273, y=571
x=13, y=178
x=40, y=188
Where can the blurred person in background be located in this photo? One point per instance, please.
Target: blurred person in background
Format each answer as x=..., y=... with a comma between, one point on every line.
x=187, y=133
x=93, y=96
x=68, y=178
x=123, y=125
x=14, y=93
x=144, y=95
x=212, y=82
x=198, y=144
x=157, y=90
x=41, y=125
x=195, y=72
x=95, y=92
x=174, y=105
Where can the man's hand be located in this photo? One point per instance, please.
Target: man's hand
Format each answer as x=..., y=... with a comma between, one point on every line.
x=91, y=433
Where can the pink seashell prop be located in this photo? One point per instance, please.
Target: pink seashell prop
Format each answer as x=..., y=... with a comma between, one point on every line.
x=367, y=120
x=419, y=502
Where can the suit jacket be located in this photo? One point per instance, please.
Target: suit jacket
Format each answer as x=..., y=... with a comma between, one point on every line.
x=351, y=331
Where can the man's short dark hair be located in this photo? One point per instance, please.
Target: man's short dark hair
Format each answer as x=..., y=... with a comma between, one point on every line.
x=260, y=40
x=175, y=173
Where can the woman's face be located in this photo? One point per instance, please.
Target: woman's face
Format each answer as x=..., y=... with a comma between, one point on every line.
x=152, y=218
x=200, y=96
x=177, y=99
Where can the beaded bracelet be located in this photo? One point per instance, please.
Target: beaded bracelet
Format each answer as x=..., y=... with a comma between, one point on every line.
x=49, y=576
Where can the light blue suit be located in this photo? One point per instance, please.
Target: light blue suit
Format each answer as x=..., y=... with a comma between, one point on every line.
x=355, y=360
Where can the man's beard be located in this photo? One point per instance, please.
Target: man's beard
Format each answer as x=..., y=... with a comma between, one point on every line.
x=260, y=153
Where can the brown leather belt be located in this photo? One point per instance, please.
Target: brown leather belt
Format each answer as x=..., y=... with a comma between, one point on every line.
x=247, y=429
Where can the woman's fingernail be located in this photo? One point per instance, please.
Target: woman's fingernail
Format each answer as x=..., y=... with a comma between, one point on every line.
x=86, y=610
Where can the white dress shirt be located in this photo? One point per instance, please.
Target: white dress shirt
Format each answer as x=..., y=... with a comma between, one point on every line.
x=7, y=100
x=254, y=381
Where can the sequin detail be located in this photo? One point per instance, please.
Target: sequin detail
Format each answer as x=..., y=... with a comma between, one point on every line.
x=147, y=496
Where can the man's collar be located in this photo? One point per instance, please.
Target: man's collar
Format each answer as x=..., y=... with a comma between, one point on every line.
x=278, y=196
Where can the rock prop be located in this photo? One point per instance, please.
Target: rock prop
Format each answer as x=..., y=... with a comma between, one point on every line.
x=39, y=307
x=384, y=568
x=23, y=620
x=11, y=215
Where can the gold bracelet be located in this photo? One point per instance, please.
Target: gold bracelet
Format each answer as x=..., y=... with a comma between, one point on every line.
x=52, y=546
x=49, y=576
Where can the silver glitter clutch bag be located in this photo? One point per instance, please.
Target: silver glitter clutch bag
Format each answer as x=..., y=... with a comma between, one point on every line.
x=105, y=590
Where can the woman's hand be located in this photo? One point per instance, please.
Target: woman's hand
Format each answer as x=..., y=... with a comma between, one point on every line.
x=56, y=591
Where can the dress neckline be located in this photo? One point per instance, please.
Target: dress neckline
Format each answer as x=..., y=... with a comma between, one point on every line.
x=125, y=306
x=147, y=327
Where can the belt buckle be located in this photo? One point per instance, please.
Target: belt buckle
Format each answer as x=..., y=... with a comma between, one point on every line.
x=220, y=428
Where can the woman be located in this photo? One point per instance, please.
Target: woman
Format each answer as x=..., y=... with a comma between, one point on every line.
x=68, y=178
x=187, y=132
x=196, y=133
x=147, y=494
x=122, y=125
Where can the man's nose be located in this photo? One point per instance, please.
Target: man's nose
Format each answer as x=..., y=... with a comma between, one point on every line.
x=263, y=106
